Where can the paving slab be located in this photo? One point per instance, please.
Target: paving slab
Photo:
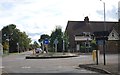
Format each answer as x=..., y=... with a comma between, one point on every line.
x=111, y=67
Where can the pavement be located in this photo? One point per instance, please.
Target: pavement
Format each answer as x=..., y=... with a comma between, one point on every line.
x=111, y=67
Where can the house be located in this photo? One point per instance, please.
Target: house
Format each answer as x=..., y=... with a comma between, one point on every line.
x=81, y=33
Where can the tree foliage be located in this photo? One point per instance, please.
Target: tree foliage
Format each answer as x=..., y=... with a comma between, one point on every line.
x=43, y=37
x=5, y=45
x=35, y=44
x=15, y=37
x=66, y=40
x=57, y=34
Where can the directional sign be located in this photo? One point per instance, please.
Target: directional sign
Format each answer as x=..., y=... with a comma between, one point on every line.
x=55, y=41
x=46, y=41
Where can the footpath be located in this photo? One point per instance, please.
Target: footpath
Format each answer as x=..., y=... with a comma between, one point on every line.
x=111, y=67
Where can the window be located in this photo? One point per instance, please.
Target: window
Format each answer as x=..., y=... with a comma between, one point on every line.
x=113, y=35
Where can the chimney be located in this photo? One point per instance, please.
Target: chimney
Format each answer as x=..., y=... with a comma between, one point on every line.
x=86, y=19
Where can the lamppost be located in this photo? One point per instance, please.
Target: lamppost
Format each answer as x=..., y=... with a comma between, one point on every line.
x=104, y=42
x=104, y=15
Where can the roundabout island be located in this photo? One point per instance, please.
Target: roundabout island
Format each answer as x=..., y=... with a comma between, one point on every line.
x=51, y=55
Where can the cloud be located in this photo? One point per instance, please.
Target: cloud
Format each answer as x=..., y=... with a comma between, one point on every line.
x=110, y=14
x=33, y=34
x=37, y=17
x=119, y=10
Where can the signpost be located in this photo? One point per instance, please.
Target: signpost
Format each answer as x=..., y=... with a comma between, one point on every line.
x=63, y=45
x=55, y=42
x=102, y=41
x=104, y=49
x=46, y=42
x=18, y=47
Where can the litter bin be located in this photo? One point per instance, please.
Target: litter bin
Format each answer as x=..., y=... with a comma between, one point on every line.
x=94, y=54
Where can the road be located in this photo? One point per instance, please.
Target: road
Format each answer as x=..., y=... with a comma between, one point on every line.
x=16, y=63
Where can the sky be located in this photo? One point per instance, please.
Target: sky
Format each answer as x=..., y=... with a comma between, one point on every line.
x=119, y=10
x=37, y=17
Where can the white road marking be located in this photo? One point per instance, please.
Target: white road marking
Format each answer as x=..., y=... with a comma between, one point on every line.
x=83, y=70
x=2, y=67
x=59, y=66
x=26, y=67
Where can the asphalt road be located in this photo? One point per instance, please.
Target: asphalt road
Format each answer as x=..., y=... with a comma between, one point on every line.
x=16, y=63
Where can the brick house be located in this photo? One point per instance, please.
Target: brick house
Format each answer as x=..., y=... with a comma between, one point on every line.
x=82, y=33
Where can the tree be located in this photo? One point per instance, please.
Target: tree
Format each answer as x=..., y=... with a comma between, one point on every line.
x=66, y=40
x=94, y=45
x=24, y=41
x=5, y=46
x=57, y=34
x=15, y=37
x=43, y=37
x=36, y=45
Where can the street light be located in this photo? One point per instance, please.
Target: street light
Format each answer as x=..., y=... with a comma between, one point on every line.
x=104, y=43
x=104, y=16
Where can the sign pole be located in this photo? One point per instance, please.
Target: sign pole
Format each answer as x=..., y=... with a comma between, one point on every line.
x=56, y=48
x=63, y=46
x=104, y=47
x=97, y=57
x=18, y=47
x=55, y=42
x=46, y=48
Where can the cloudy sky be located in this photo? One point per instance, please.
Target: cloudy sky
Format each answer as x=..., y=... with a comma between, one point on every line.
x=37, y=17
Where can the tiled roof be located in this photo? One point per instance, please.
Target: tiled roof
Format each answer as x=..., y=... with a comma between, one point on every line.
x=91, y=26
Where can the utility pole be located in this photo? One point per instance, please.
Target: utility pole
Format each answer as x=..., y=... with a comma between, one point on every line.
x=104, y=45
x=104, y=42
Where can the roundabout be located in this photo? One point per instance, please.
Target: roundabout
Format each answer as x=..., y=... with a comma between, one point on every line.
x=52, y=55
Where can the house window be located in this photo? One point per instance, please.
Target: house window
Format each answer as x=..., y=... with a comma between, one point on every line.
x=113, y=35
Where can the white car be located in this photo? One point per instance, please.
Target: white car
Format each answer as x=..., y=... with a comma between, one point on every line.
x=38, y=50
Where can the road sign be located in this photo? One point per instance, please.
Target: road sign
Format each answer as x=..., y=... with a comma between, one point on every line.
x=100, y=42
x=55, y=41
x=46, y=41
